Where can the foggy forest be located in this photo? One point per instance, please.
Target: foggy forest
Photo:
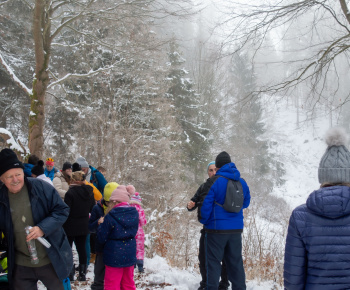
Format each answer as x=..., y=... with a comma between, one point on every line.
x=153, y=90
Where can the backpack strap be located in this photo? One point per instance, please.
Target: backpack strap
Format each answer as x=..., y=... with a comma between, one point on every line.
x=94, y=178
x=225, y=193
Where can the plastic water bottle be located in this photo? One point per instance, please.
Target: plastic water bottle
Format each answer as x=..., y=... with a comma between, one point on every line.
x=32, y=249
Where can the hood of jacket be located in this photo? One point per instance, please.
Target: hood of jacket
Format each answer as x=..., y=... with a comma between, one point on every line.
x=59, y=174
x=125, y=216
x=330, y=202
x=230, y=171
x=83, y=191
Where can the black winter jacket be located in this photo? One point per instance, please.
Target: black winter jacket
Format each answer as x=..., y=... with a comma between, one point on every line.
x=200, y=194
x=80, y=199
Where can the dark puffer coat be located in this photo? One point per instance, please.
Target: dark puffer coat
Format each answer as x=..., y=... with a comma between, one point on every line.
x=96, y=213
x=317, y=254
x=80, y=199
x=49, y=214
x=117, y=234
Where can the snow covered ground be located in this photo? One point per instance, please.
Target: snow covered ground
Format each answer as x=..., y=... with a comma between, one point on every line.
x=159, y=275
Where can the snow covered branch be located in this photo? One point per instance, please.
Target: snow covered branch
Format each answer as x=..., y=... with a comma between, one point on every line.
x=88, y=74
x=14, y=77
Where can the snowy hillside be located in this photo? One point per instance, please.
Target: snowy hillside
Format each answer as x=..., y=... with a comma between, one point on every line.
x=299, y=148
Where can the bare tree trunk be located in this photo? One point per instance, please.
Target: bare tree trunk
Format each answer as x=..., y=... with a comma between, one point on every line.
x=345, y=9
x=42, y=42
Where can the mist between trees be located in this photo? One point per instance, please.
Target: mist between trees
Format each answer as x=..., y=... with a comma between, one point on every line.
x=152, y=92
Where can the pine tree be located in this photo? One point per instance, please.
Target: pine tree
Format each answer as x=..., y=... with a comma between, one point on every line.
x=188, y=112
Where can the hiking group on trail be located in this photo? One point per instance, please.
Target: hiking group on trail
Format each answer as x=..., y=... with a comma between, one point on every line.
x=105, y=220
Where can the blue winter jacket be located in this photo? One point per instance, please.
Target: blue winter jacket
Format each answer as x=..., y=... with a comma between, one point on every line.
x=96, y=213
x=317, y=253
x=28, y=169
x=49, y=214
x=214, y=217
x=50, y=174
x=97, y=179
x=117, y=234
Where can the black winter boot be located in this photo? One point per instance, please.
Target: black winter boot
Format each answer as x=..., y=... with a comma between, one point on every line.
x=82, y=272
x=71, y=274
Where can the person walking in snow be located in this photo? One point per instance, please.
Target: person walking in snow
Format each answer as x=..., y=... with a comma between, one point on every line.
x=96, y=218
x=80, y=200
x=196, y=203
x=117, y=234
x=140, y=236
x=223, y=229
x=318, y=238
x=62, y=178
x=50, y=170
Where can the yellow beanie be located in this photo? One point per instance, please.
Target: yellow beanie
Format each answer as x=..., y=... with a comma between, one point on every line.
x=107, y=192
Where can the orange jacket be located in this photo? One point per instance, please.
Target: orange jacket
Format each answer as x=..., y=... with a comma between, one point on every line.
x=97, y=193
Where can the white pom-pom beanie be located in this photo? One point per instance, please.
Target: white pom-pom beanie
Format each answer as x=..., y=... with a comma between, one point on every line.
x=335, y=163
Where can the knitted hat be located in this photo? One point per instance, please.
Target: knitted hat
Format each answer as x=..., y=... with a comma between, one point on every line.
x=38, y=169
x=107, y=192
x=9, y=160
x=122, y=193
x=78, y=176
x=222, y=159
x=210, y=163
x=50, y=162
x=136, y=197
x=335, y=163
x=82, y=162
x=67, y=165
x=76, y=167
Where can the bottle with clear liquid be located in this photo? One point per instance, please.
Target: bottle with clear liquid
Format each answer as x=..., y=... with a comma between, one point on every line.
x=32, y=249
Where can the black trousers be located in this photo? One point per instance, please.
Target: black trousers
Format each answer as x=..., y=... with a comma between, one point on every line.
x=229, y=248
x=202, y=264
x=79, y=242
x=99, y=272
x=26, y=278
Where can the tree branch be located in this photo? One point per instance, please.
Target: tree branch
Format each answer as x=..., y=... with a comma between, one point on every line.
x=14, y=77
x=70, y=75
x=345, y=9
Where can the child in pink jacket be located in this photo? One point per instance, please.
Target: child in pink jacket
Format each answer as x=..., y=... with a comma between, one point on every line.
x=140, y=236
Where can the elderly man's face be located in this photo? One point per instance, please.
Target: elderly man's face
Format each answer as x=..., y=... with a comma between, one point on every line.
x=13, y=179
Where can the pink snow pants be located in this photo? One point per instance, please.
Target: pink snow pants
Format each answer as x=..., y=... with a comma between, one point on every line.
x=119, y=278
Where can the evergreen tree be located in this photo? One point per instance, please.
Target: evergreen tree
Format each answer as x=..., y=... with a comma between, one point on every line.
x=189, y=113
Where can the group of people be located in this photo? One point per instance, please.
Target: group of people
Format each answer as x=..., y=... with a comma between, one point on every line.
x=316, y=250
x=318, y=237
x=220, y=244
x=67, y=207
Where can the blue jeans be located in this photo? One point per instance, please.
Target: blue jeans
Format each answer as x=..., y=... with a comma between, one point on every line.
x=227, y=247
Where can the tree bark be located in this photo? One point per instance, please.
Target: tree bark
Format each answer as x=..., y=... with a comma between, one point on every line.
x=345, y=9
x=42, y=43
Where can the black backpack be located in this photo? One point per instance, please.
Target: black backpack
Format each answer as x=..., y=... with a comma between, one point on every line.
x=234, y=196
